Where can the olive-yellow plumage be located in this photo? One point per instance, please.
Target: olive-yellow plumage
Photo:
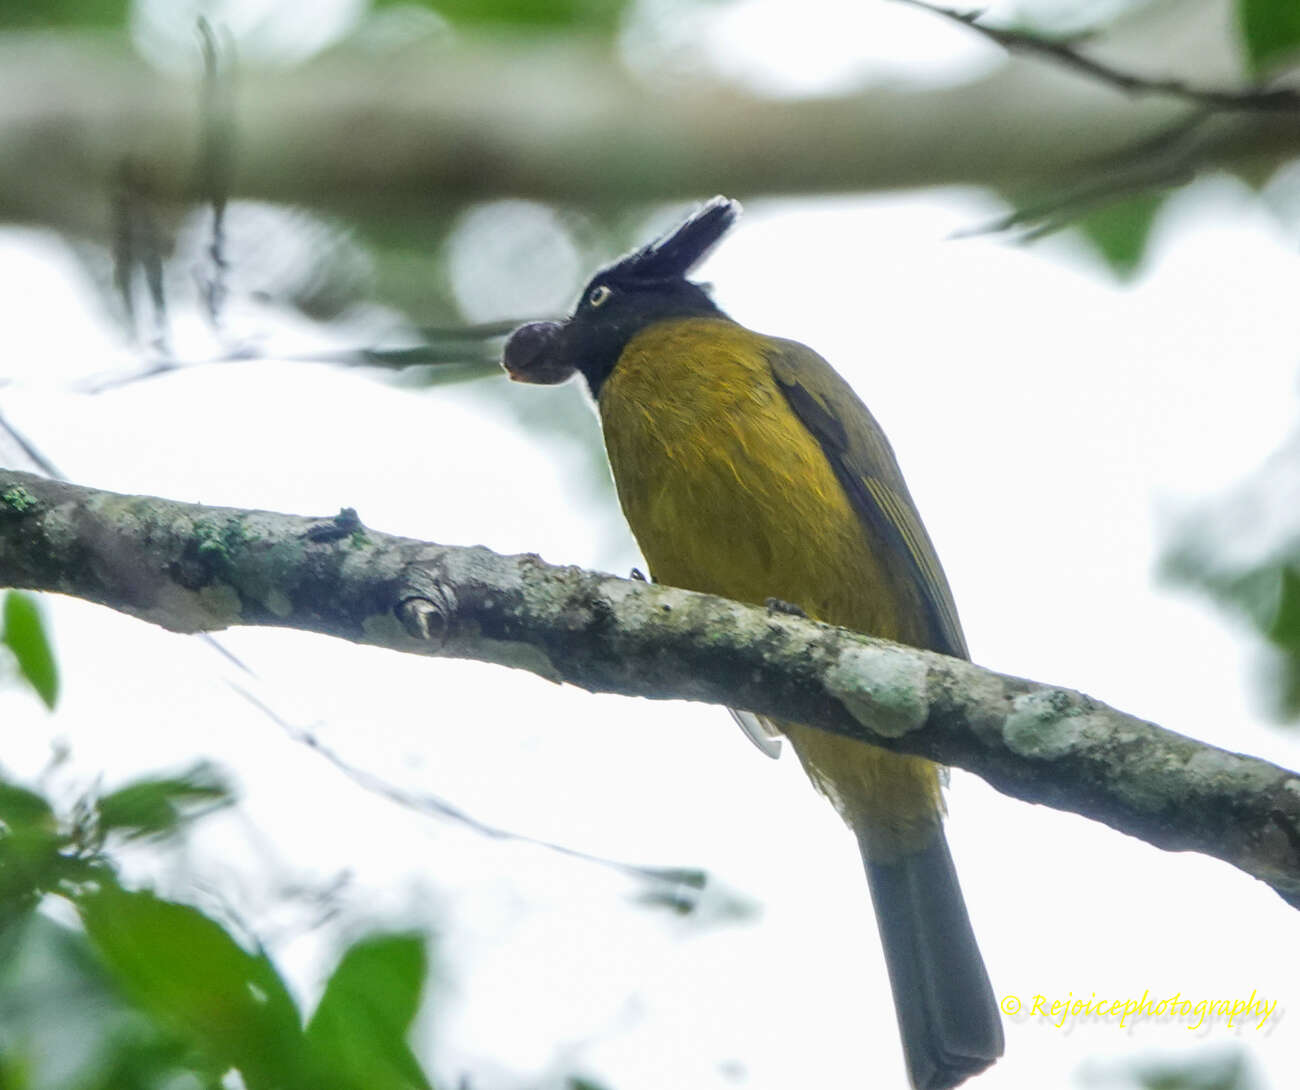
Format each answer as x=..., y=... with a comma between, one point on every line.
x=740, y=501
x=748, y=468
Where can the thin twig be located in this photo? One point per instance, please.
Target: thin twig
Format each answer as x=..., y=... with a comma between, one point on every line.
x=429, y=805
x=29, y=449
x=138, y=248
x=1034, y=222
x=1125, y=173
x=458, y=364
x=467, y=352
x=215, y=164
x=1064, y=53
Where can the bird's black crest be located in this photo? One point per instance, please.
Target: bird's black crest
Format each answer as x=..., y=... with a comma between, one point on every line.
x=674, y=255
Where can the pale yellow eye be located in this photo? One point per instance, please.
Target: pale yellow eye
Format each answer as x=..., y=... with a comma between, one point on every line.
x=599, y=295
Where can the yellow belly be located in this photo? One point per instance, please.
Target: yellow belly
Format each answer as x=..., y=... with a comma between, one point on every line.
x=729, y=494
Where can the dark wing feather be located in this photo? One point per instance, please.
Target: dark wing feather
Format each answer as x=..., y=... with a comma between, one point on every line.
x=864, y=463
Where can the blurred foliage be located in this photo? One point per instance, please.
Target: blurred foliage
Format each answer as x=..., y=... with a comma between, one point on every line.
x=1120, y=232
x=1243, y=551
x=97, y=1041
x=26, y=634
x=1270, y=31
x=1205, y=1068
x=152, y=993
x=43, y=853
x=1266, y=594
x=1209, y=1069
x=362, y=1021
x=25, y=14
x=158, y=807
x=584, y=15
x=185, y=971
x=30, y=852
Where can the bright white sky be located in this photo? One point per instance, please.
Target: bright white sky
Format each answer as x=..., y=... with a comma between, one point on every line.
x=1051, y=425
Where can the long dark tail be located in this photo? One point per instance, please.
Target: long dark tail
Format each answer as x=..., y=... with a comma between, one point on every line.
x=947, y=1015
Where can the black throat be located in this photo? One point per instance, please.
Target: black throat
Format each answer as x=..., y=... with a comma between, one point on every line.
x=600, y=337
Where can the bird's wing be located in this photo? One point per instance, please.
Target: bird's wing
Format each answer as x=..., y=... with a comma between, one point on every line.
x=864, y=463
x=759, y=730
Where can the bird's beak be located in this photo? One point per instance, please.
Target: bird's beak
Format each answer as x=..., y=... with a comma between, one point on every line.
x=531, y=354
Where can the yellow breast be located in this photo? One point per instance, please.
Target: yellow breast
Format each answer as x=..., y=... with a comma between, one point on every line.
x=727, y=493
x=725, y=490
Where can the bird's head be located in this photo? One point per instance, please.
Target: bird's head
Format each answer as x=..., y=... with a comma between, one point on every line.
x=647, y=286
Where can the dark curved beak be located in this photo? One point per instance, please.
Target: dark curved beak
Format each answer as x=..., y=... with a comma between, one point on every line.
x=532, y=354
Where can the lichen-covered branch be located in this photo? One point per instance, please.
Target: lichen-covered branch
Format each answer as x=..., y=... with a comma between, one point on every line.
x=192, y=568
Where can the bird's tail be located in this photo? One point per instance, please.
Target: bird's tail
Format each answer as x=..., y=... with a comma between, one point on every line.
x=947, y=1016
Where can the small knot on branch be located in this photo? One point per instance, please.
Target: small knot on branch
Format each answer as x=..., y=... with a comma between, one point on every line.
x=346, y=523
x=428, y=608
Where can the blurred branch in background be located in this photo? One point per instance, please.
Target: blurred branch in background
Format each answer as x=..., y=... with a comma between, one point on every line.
x=193, y=568
x=562, y=117
x=579, y=105
x=441, y=126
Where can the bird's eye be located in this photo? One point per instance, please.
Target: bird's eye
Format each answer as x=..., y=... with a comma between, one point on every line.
x=599, y=294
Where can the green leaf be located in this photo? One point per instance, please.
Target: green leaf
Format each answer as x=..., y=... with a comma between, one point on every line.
x=1270, y=31
x=186, y=971
x=31, y=859
x=1265, y=594
x=158, y=806
x=596, y=15
x=25, y=635
x=1283, y=628
x=62, y=13
x=21, y=808
x=65, y=1024
x=1229, y=1069
x=360, y=1025
x=1120, y=232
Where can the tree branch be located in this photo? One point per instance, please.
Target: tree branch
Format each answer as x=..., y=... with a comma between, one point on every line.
x=192, y=568
x=432, y=128
x=1066, y=54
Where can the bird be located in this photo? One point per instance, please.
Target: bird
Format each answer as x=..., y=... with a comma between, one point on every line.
x=747, y=467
